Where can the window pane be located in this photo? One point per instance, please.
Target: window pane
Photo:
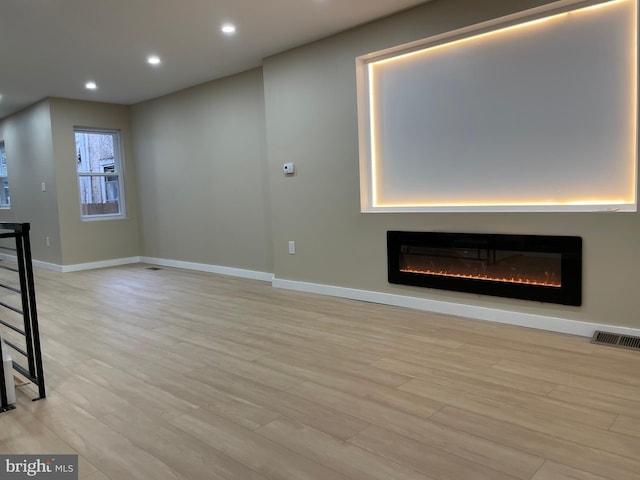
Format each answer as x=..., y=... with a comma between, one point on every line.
x=3, y=163
x=5, y=199
x=100, y=195
x=95, y=152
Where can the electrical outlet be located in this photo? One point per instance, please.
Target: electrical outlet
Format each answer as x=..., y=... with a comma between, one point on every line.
x=292, y=248
x=48, y=241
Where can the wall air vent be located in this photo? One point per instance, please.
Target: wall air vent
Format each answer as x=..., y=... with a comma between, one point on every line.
x=616, y=340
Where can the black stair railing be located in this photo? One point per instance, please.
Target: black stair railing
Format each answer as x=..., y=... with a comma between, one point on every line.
x=29, y=330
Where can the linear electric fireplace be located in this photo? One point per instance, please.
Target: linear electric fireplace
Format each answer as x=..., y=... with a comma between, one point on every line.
x=529, y=267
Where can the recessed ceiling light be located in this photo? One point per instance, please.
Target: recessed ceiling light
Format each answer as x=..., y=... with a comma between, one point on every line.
x=153, y=60
x=90, y=85
x=228, y=28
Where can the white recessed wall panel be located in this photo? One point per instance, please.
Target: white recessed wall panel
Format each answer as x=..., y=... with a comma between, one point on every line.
x=531, y=113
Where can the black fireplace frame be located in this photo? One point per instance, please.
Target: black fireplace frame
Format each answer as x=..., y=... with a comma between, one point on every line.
x=570, y=249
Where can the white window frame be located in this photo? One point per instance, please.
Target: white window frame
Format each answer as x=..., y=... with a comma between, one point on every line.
x=118, y=162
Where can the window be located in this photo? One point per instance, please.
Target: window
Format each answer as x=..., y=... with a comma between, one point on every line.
x=5, y=199
x=99, y=167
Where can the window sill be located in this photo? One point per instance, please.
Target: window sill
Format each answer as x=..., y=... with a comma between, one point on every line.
x=98, y=218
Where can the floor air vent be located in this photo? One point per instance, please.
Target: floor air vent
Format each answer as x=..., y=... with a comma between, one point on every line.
x=616, y=340
x=154, y=268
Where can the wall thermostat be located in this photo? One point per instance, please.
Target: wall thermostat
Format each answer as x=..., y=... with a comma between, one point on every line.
x=288, y=168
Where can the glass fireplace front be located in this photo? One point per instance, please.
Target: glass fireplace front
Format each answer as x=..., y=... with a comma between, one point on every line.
x=530, y=267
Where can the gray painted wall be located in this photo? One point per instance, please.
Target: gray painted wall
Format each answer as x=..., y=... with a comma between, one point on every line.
x=92, y=241
x=311, y=113
x=202, y=182
x=40, y=146
x=204, y=166
x=30, y=161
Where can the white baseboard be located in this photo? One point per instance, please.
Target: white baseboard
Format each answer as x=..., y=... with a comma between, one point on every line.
x=205, y=267
x=115, y=262
x=540, y=322
x=36, y=263
x=54, y=267
x=510, y=317
x=46, y=265
x=201, y=267
x=10, y=258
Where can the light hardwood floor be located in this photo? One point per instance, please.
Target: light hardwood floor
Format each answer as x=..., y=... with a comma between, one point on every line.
x=173, y=374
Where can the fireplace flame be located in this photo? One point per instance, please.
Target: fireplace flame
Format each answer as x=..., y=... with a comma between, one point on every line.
x=520, y=280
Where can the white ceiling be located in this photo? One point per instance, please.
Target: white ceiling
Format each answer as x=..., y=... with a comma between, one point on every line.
x=51, y=48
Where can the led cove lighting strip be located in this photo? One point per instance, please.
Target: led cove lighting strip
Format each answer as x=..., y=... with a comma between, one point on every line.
x=373, y=117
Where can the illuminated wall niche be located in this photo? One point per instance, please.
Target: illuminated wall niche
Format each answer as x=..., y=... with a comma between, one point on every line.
x=532, y=112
